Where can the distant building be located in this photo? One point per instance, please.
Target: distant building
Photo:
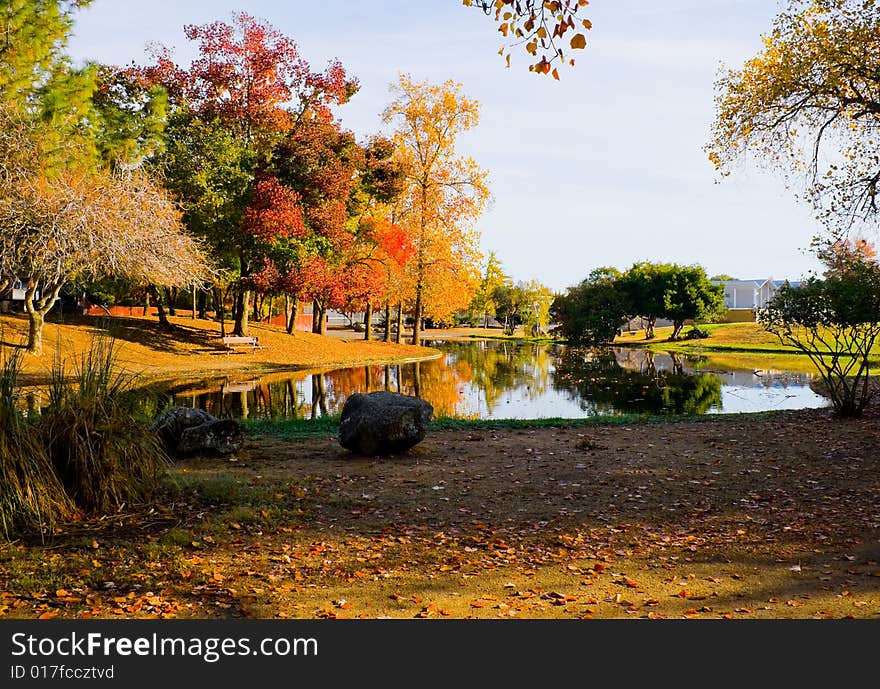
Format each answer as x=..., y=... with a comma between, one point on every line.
x=13, y=297
x=750, y=295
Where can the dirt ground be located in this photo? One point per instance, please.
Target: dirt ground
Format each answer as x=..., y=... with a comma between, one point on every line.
x=772, y=517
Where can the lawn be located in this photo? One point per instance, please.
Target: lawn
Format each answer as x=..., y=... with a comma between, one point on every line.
x=193, y=347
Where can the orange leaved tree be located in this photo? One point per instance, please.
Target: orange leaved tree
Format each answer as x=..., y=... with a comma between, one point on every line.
x=444, y=194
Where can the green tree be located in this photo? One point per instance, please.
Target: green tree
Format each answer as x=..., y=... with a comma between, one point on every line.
x=835, y=321
x=644, y=288
x=690, y=295
x=38, y=80
x=593, y=311
x=511, y=304
x=671, y=291
x=538, y=300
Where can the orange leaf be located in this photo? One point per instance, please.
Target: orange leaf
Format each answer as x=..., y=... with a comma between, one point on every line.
x=579, y=42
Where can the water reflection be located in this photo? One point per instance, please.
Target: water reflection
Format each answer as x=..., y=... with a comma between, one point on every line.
x=608, y=382
x=499, y=379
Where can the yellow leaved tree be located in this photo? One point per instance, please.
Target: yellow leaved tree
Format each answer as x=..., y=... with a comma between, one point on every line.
x=444, y=194
x=809, y=105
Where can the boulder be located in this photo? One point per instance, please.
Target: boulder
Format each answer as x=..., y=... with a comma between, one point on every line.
x=186, y=431
x=383, y=423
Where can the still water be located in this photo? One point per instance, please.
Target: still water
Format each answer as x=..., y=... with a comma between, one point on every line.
x=499, y=379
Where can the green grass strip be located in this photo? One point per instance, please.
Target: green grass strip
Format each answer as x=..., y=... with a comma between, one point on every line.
x=329, y=425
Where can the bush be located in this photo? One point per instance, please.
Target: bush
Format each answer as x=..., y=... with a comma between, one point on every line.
x=31, y=496
x=90, y=450
x=97, y=435
x=696, y=333
x=835, y=321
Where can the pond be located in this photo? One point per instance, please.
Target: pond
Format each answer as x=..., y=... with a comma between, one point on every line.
x=491, y=379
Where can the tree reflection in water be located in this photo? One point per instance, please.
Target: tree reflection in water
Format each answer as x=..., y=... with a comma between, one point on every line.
x=603, y=384
x=494, y=379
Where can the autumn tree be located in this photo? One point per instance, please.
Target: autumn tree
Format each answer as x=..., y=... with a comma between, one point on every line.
x=544, y=29
x=444, y=194
x=247, y=92
x=89, y=223
x=809, y=105
x=493, y=278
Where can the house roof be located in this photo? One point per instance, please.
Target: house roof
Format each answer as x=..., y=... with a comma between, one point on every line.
x=756, y=283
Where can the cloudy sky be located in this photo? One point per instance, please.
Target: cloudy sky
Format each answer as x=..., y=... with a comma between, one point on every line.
x=605, y=167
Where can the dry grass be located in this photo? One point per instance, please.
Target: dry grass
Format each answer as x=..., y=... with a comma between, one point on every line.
x=194, y=346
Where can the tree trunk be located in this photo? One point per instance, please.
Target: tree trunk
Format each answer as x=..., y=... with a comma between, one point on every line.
x=649, y=328
x=417, y=380
x=242, y=311
x=368, y=323
x=220, y=310
x=399, y=333
x=172, y=301
x=291, y=308
x=319, y=322
x=35, y=320
x=194, y=302
x=36, y=310
x=160, y=307
x=676, y=329
x=387, y=321
x=203, y=304
x=417, y=317
x=147, y=302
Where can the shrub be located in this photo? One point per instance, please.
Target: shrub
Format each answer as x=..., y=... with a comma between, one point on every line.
x=31, y=496
x=696, y=333
x=835, y=321
x=97, y=435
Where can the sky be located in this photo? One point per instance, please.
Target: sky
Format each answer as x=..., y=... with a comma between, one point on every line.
x=603, y=168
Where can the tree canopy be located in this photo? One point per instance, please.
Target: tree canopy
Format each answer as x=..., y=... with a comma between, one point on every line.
x=443, y=195
x=809, y=105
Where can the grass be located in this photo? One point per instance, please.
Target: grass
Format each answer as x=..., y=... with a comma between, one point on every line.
x=89, y=450
x=290, y=429
x=193, y=347
x=748, y=344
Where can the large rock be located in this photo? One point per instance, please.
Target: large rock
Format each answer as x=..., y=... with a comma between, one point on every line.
x=186, y=431
x=383, y=423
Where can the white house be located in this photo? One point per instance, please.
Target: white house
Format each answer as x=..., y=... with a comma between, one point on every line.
x=750, y=294
x=14, y=295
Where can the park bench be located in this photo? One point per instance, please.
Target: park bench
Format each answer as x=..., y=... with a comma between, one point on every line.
x=231, y=343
